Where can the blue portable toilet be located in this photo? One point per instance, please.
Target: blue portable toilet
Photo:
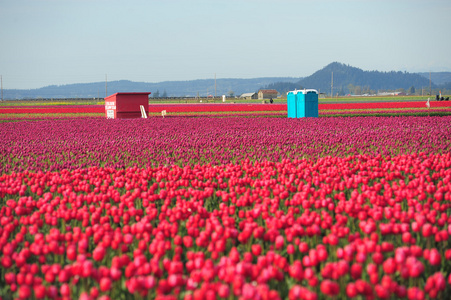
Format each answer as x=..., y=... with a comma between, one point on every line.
x=311, y=103
x=302, y=103
x=291, y=104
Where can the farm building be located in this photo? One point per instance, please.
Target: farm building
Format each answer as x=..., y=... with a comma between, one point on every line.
x=266, y=94
x=249, y=96
x=126, y=105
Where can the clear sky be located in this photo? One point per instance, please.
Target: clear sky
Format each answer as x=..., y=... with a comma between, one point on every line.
x=58, y=42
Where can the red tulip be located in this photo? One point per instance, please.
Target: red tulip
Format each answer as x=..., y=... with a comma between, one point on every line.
x=389, y=266
x=24, y=292
x=329, y=287
x=356, y=271
x=65, y=290
x=434, y=257
x=98, y=253
x=39, y=291
x=105, y=284
x=414, y=293
x=351, y=290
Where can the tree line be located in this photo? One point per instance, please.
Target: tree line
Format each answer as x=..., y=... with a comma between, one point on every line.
x=355, y=81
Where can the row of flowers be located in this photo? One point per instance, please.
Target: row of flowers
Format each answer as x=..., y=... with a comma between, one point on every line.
x=43, y=116
x=279, y=114
x=82, y=142
x=400, y=111
x=369, y=226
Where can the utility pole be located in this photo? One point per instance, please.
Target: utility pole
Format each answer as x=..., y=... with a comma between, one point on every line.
x=430, y=84
x=106, y=86
x=215, y=85
x=332, y=86
x=1, y=79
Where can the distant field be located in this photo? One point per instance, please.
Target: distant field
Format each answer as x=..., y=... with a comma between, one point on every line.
x=34, y=111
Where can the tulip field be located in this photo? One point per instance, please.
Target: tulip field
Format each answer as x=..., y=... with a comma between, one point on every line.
x=221, y=207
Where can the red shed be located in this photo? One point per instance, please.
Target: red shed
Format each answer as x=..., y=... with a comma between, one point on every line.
x=126, y=105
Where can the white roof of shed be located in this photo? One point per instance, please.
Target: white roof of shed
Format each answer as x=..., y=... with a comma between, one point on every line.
x=247, y=95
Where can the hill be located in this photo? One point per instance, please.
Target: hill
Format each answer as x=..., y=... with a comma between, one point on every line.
x=352, y=80
x=170, y=88
x=346, y=80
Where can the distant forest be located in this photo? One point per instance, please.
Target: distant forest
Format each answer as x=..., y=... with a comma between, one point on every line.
x=351, y=80
x=192, y=88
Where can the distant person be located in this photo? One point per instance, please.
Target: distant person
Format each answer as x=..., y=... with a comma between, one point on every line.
x=271, y=101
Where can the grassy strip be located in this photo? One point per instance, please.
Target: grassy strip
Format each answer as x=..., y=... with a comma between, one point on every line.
x=48, y=116
x=5, y=104
x=218, y=113
x=385, y=109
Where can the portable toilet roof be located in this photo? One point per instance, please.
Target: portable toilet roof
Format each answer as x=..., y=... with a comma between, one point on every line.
x=304, y=91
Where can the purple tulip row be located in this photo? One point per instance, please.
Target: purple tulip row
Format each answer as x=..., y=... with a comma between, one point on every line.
x=52, y=145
